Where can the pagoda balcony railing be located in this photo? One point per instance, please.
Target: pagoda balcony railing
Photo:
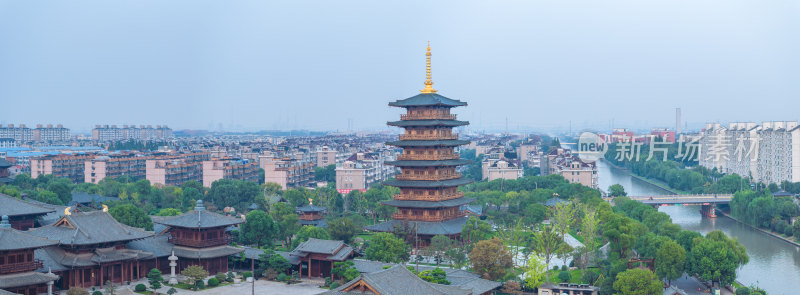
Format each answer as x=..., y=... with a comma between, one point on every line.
x=310, y=216
x=428, y=177
x=427, y=117
x=200, y=243
x=428, y=197
x=21, y=267
x=427, y=157
x=428, y=136
x=400, y=216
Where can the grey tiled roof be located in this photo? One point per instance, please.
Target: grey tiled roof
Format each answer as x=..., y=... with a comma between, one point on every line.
x=12, y=239
x=427, y=99
x=407, y=123
x=447, y=227
x=199, y=219
x=48, y=263
x=311, y=208
x=342, y=254
x=251, y=253
x=428, y=163
x=428, y=183
x=25, y=279
x=457, y=277
x=318, y=223
x=4, y=292
x=446, y=142
x=399, y=280
x=49, y=218
x=313, y=245
x=5, y=163
x=197, y=253
x=87, y=198
x=428, y=204
x=158, y=245
x=15, y=207
x=87, y=228
x=105, y=255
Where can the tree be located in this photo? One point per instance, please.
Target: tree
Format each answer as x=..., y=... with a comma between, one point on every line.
x=168, y=212
x=616, y=190
x=439, y=245
x=548, y=243
x=346, y=270
x=637, y=281
x=475, y=230
x=716, y=258
x=155, y=279
x=535, y=270
x=286, y=221
x=564, y=216
x=387, y=248
x=110, y=288
x=131, y=215
x=491, y=259
x=436, y=275
x=308, y=232
x=670, y=260
x=193, y=274
x=257, y=229
x=343, y=229
x=457, y=257
x=172, y=291
x=589, y=226
x=48, y=197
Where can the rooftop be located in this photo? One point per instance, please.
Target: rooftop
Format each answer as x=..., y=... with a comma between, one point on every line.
x=16, y=207
x=199, y=218
x=427, y=99
x=88, y=228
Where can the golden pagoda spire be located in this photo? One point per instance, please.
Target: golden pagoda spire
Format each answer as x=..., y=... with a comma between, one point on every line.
x=428, y=83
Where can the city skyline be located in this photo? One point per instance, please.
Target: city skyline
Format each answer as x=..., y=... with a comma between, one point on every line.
x=520, y=63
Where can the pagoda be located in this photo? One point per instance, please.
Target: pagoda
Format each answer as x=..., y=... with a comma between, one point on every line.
x=429, y=201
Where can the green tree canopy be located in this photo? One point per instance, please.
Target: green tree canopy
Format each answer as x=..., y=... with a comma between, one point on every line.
x=258, y=229
x=310, y=231
x=490, y=259
x=343, y=229
x=132, y=215
x=637, y=281
x=387, y=248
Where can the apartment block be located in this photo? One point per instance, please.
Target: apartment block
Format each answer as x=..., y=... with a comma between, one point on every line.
x=50, y=133
x=19, y=133
x=501, y=169
x=176, y=169
x=289, y=171
x=327, y=156
x=561, y=161
x=229, y=168
x=114, y=165
x=361, y=170
x=768, y=153
x=130, y=132
x=70, y=166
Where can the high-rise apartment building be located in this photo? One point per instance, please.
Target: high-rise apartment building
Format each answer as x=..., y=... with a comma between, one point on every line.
x=114, y=165
x=19, y=133
x=362, y=170
x=176, y=169
x=130, y=132
x=50, y=133
x=228, y=168
x=70, y=166
x=289, y=171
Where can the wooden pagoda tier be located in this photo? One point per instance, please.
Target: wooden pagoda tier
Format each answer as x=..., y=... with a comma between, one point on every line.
x=429, y=202
x=18, y=264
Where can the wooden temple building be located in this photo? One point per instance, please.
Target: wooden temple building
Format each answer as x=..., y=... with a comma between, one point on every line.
x=316, y=257
x=22, y=215
x=20, y=271
x=312, y=215
x=92, y=249
x=197, y=237
x=429, y=201
x=398, y=279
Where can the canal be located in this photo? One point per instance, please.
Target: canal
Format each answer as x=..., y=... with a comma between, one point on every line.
x=774, y=265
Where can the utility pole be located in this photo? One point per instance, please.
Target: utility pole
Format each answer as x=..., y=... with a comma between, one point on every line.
x=253, y=273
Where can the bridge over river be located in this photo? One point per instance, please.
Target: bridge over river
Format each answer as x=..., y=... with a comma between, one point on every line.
x=707, y=201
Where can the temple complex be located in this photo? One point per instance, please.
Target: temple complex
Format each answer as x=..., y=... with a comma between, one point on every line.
x=92, y=249
x=312, y=215
x=18, y=265
x=429, y=201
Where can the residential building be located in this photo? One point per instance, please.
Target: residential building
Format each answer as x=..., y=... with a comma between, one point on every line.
x=50, y=133
x=131, y=132
x=769, y=152
x=20, y=133
x=116, y=164
x=564, y=162
x=289, y=171
x=429, y=201
x=362, y=170
x=229, y=168
x=176, y=169
x=327, y=156
x=665, y=134
x=501, y=169
x=70, y=166
x=529, y=153
x=7, y=142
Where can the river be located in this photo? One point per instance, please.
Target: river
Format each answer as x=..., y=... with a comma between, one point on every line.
x=774, y=265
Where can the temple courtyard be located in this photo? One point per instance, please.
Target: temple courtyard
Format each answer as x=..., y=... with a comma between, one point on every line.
x=263, y=287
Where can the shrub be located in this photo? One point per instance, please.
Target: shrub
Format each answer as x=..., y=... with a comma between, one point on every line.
x=247, y=274
x=328, y=281
x=221, y=277
x=563, y=268
x=564, y=276
x=270, y=274
x=555, y=267
x=213, y=282
x=281, y=277
x=199, y=284
x=140, y=288
x=788, y=231
x=77, y=291
x=743, y=291
x=97, y=293
x=230, y=276
x=334, y=285
x=589, y=277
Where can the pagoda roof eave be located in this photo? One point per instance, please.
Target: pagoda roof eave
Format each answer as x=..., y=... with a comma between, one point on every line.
x=428, y=143
x=428, y=163
x=421, y=123
x=432, y=228
x=428, y=183
x=427, y=99
x=428, y=204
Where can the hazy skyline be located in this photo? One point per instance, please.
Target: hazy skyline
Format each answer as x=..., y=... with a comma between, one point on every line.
x=315, y=65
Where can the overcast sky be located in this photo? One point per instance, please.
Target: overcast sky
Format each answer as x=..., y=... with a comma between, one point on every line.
x=253, y=65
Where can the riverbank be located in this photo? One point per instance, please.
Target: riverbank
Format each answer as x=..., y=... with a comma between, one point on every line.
x=652, y=182
x=760, y=229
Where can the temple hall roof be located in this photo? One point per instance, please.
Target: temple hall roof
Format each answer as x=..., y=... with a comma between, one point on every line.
x=87, y=228
x=26, y=279
x=12, y=239
x=336, y=250
x=311, y=208
x=199, y=218
x=15, y=207
x=397, y=280
x=200, y=253
x=427, y=99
